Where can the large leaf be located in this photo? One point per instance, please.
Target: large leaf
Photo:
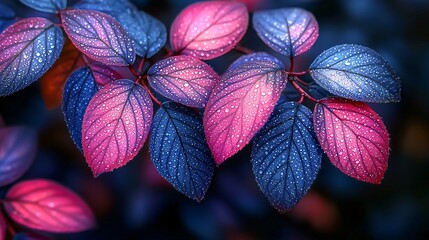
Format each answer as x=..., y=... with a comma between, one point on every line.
x=289, y=31
x=78, y=91
x=49, y=6
x=45, y=205
x=112, y=7
x=207, y=30
x=28, y=48
x=183, y=79
x=7, y=16
x=179, y=150
x=354, y=138
x=356, y=72
x=286, y=156
x=99, y=36
x=115, y=125
x=148, y=33
x=242, y=103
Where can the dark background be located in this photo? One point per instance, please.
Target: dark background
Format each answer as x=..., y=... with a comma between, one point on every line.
x=135, y=203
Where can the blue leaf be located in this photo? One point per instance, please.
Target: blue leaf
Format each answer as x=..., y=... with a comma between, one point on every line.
x=112, y=7
x=49, y=6
x=289, y=31
x=356, y=72
x=7, y=16
x=286, y=156
x=316, y=91
x=179, y=150
x=254, y=57
x=79, y=89
x=148, y=33
x=28, y=49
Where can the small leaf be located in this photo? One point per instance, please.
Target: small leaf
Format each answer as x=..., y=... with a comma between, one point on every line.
x=7, y=16
x=28, y=48
x=18, y=146
x=207, y=30
x=115, y=125
x=148, y=33
x=241, y=104
x=354, y=138
x=78, y=91
x=183, y=79
x=289, y=31
x=113, y=8
x=179, y=150
x=286, y=156
x=358, y=73
x=104, y=74
x=52, y=82
x=99, y=36
x=48, y=206
x=48, y=6
x=316, y=91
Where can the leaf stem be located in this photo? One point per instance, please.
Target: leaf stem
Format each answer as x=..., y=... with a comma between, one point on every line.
x=141, y=64
x=135, y=74
x=142, y=81
x=244, y=50
x=301, y=91
x=298, y=73
x=293, y=79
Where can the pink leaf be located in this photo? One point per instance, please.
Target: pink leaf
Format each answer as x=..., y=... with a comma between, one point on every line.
x=354, y=138
x=242, y=103
x=103, y=74
x=115, y=125
x=207, y=30
x=46, y=205
x=183, y=79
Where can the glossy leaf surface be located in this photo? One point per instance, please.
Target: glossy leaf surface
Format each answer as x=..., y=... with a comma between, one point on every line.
x=112, y=7
x=49, y=6
x=78, y=91
x=356, y=72
x=354, y=138
x=183, y=79
x=7, y=16
x=241, y=104
x=104, y=74
x=286, y=156
x=207, y=30
x=48, y=206
x=115, y=125
x=179, y=150
x=289, y=31
x=28, y=48
x=99, y=36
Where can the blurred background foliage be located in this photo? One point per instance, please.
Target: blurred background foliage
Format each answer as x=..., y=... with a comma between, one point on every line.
x=134, y=202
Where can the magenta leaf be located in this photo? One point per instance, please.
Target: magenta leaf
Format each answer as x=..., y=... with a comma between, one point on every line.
x=242, y=103
x=354, y=138
x=207, y=30
x=103, y=74
x=179, y=150
x=289, y=31
x=49, y=6
x=28, y=48
x=18, y=147
x=99, y=36
x=115, y=125
x=183, y=79
x=48, y=206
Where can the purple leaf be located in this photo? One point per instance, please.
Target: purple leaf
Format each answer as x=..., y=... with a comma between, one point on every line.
x=183, y=79
x=242, y=103
x=289, y=31
x=28, y=48
x=207, y=30
x=18, y=147
x=115, y=125
x=48, y=206
x=99, y=36
x=354, y=138
x=49, y=6
x=104, y=74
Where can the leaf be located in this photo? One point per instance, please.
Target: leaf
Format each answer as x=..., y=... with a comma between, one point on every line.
x=356, y=72
x=28, y=48
x=183, y=79
x=316, y=91
x=104, y=74
x=241, y=104
x=18, y=146
x=48, y=6
x=115, y=125
x=99, y=36
x=113, y=8
x=286, y=156
x=289, y=31
x=7, y=16
x=148, y=33
x=78, y=91
x=48, y=206
x=52, y=82
x=354, y=138
x=207, y=30
x=179, y=150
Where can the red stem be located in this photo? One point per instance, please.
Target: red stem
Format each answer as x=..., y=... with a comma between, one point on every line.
x=301, y=91
x=243, y=50
x=141, y=64
x=301, y=81
x=142, y=82
x=135, y=74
